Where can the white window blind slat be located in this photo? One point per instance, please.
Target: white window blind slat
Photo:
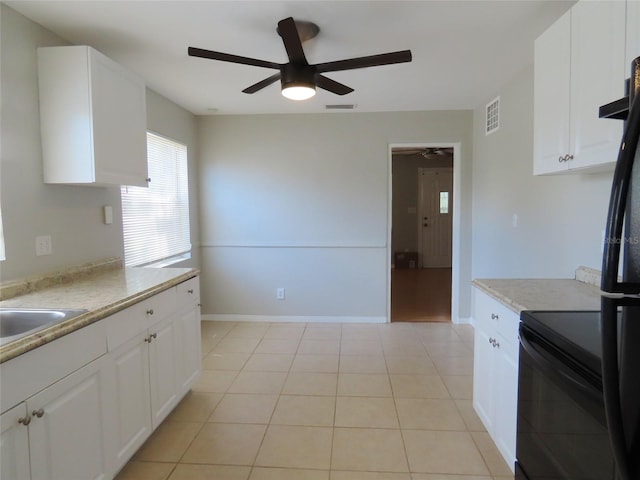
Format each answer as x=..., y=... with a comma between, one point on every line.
x=156, y=219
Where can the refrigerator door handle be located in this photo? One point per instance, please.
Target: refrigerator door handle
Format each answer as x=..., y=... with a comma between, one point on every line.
x=611, y=386
x=617, y=204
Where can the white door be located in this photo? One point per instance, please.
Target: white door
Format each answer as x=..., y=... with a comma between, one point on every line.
x=436, y=195
x=14, y=443
x=163, y=366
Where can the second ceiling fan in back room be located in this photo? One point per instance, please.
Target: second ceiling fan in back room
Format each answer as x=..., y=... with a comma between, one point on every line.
x=298, y=78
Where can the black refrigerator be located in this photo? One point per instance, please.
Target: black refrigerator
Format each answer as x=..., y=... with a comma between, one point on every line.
x=620, y=310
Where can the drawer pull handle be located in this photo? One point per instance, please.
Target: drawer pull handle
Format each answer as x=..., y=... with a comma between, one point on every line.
x=150, y=338
x=24, y=420
x=199, y=304
x=150, y=311
x=38, y=413
x=494, y=316
x=190, y=291
x=496, y=344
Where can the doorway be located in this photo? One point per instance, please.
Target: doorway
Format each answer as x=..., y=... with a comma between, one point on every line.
x=421, y=233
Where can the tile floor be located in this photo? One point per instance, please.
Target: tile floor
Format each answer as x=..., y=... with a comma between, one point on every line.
x=326, y=402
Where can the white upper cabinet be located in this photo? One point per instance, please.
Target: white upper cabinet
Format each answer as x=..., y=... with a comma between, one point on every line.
x=92, y=117
x=579, y=66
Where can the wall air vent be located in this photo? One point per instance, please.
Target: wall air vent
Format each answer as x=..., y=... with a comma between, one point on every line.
x=343, y=106
x=493, y=116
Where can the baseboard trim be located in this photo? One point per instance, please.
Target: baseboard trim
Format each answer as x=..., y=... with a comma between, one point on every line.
x=291, y=318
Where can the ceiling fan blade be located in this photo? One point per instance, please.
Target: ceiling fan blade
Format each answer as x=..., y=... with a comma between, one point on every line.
x=227, y=57
x=332, y=86
x=261, y=84
x=289, y=32
x=363, y=62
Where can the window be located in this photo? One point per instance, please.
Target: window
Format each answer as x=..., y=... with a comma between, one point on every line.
x=444, y=202
x=156, y=219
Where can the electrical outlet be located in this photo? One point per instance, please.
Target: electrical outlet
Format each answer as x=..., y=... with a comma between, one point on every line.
x=280, y=293
x=43, y=245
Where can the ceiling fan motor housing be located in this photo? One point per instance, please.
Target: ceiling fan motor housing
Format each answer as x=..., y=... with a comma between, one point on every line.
x=296, y=75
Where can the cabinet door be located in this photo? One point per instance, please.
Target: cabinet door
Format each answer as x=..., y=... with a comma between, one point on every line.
x=598, y=72
x=551, y=97
x=188, y=336
x=484, y=375
x=119, y=123
x=131, y=398
x=70, y=426
x=163, y=360
x=14, y=444
x=506, y=407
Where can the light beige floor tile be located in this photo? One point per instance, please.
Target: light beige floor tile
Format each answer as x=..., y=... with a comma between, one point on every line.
x=324, y=332
x=411, y=364
x=236, y=345
x=248, y=330
x=418, y=386
x=410, y=348
x=491, y=455
x=362, y=364
x=304, y=410
x=225, y=444
x=363, y=385
x=224, y=361
x=244, y=408
x=269, y=362
x=310, y=383
x=437, y=476
x=315, y=363
x=263, y=473
x=469, y=415
x=360, y=347
x=459, y=386
x=145, y=471
x=258, y=382
x=186, y=471
x=360, y=332
x=448, y=349
x=290, y=332
x=195, y=407
x=208, y=343
x=296, y=447
x=276, y=345
x=168, y=442
x=443, y=452
x=437, y=333
x=368, y=412
x=326, y=347
x=214, y=381
x=336, y=475
x=454, y=365
x=368, y=449
x=429, y=414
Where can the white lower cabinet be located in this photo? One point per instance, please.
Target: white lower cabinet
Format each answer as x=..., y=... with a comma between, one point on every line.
x=495, y=374
x=84, y=420
x=14, y=443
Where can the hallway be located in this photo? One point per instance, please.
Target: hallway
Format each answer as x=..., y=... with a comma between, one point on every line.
x=421, y=295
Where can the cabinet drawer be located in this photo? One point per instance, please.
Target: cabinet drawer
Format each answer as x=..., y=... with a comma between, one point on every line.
x=188, y=292
x=494, y=315
x=136, y=319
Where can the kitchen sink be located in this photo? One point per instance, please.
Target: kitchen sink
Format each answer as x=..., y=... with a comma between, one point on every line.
x=19, y=322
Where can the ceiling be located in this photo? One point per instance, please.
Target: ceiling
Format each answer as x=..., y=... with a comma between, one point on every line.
x=463, y=51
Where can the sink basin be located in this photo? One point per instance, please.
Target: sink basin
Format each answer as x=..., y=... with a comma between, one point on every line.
x=19, y=322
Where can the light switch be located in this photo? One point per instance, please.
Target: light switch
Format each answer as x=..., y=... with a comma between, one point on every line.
x=108, y=214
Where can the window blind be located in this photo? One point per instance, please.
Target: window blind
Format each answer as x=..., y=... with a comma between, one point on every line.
x=156, y=219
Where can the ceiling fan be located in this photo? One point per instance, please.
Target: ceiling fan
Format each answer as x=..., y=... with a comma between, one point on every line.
x=298, y=78
x=426, y=152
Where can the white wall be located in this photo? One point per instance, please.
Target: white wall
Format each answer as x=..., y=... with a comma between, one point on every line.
x=300, y=201
x=72, y=215
x=561, y=218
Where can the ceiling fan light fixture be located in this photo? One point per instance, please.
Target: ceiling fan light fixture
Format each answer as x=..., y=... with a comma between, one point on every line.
x=299, y=91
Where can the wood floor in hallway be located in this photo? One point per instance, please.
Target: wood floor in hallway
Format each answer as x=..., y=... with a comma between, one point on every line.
x=421, y=295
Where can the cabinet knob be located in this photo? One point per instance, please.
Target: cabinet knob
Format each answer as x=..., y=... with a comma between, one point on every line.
x=24, y=420
x=150, y=338
x=150, y=311
x=568, y=157
x=560, y=159
x=494, y=316
x=496, y=344
x=148, y=180
x=38, y=413
x=491, y=340
x=190, y=291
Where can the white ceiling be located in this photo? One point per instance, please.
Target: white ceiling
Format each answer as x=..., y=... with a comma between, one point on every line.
x=463, y=51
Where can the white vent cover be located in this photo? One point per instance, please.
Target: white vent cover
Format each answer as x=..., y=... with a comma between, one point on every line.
x=493, y=116
x=342, y=106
